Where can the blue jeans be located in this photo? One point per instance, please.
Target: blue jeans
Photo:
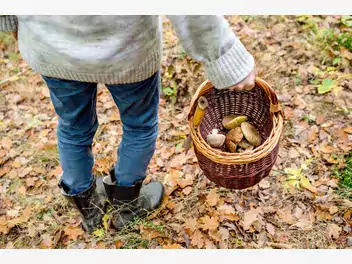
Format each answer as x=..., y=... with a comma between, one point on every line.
x=75, y=104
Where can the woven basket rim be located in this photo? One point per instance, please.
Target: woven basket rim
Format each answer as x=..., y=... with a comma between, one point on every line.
x=228, y=158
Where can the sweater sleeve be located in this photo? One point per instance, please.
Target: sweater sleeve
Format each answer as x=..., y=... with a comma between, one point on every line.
x=8, y=23
x=209, y=39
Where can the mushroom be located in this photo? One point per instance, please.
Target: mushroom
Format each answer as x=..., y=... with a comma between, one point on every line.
x=233, y=138
x=202, y=104
x=251, y=134
x=227, y=119
x=236, y=122
x=216, y=140
x=244, y=144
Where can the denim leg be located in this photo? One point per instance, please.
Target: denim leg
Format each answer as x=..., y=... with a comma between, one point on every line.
x=75, y=104
x=138, y=106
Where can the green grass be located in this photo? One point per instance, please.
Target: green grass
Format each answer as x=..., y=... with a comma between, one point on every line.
x=345, y=178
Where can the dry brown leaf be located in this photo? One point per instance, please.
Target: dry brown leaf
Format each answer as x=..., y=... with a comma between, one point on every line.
x=333, y=231
x=210, y=223
x=172, y=177
x=22, y=190
x=270, y=228
x=48, y=199
x=348, y=130
x=12, y=174
x=172, y=246
x=197, y=239
x=149, y=234
x=187, y=190
x=264, y=184
x=6, y=143
x=191, y=224
x=47, y=241
x=73, y=232
x=119, y=244
x=224, y=233
x=212, y=198
x=209, y=244
x=320, y=119
x=30, y=182
x=333, y=209
x=185, y=182
x=4, y=171
x=215, y=235
x=178, y=161
x=250, y=217
x=286, y=215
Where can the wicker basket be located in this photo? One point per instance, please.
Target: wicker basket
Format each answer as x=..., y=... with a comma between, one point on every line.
x=238, y=170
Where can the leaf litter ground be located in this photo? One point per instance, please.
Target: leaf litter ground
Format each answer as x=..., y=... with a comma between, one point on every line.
x=298, y=206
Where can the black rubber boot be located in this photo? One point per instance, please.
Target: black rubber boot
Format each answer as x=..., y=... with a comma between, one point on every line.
x=131, y=201
x=88, y=203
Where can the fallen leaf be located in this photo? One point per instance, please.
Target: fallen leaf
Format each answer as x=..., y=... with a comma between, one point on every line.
x=149, y=234
x=178, y=161
x=250, y=217
x=73, y=232
x=215, y=235
x=47, y=241
x=209, y=244
x=197, y=239
x=305, y=183
x=212, y=198
x=286, y=215
x=172, y=246
x=191, y=224
x=333, y=209
x=185, y=182
x=119, y=244
x=6, y=143
x=224, y=232
x=22, y=190
x=30, y=182
x=210, y=223
x=264, y=184
x=187, y=190
x=320, y=119
x=48, y=199
x=270, y=228
x=4, y=171
x=348, y=130
x=333, y=231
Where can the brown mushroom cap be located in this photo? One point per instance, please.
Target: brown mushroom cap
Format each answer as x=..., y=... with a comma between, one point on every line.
x=251, y=134
x=233, y=137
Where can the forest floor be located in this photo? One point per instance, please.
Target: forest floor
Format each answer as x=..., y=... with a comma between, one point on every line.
x=306, y=59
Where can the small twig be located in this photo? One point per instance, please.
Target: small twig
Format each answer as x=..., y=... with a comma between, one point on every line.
x=279, y=245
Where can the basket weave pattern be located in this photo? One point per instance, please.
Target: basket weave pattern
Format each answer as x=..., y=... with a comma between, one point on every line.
x=238, y=170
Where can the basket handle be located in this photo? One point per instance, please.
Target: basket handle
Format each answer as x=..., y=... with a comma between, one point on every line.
x=206, y=86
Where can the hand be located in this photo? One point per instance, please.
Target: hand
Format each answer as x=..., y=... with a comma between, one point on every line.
x=247, y=84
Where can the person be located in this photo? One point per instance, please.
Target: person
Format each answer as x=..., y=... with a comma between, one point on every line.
x=74, y=53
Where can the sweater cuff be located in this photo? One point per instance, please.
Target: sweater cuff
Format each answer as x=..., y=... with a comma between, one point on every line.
x=231, y=68
x=8, y=23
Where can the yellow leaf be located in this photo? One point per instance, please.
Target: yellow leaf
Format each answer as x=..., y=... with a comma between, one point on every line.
x=305, y=183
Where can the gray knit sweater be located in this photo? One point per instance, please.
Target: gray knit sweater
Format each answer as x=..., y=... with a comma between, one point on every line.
x=125, y=49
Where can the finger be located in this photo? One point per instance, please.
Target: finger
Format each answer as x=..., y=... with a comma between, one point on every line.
x=239, y=87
